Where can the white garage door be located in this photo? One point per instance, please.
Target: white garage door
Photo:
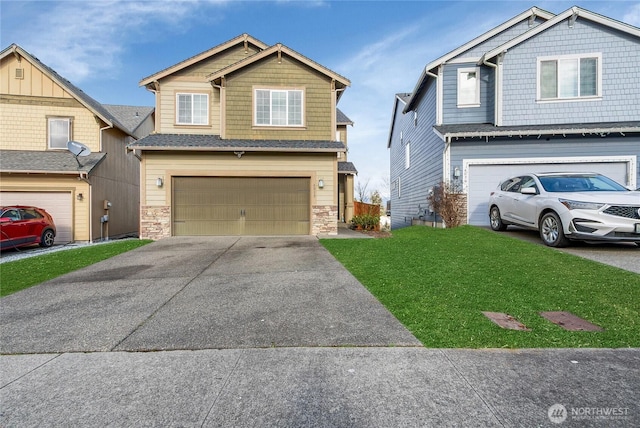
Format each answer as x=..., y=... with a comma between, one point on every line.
x=484, y=178
x=57, y=204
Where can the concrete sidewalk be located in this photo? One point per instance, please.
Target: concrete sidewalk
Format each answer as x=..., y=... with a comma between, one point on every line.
x=322, y=387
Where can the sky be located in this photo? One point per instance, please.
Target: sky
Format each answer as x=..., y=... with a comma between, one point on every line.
x=105, y=47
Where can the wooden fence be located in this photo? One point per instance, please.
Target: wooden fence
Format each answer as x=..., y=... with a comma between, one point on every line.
x=360, y=208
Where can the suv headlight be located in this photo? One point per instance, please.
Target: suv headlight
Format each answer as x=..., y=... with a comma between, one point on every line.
x=578, y=205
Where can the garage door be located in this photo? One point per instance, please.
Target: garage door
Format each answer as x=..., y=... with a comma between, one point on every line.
x=57, y=204
x=484, y=178
x=240, y=206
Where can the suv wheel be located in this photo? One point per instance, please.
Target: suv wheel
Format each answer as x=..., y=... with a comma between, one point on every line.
x=551, y=230
x=495, y=220
x=47, y=238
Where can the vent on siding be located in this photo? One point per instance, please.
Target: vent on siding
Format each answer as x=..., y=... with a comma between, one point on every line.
x=19, y=73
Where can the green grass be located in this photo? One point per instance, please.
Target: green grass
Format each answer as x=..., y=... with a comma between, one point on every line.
x=21, y=274
x=437, y=282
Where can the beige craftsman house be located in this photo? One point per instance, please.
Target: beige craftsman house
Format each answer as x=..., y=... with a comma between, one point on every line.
x=40, y=111
x=248, y=141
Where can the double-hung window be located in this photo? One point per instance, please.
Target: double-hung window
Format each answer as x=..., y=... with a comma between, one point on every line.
x=192, y=109
x=469, y=87
x=59, y=132
x=278, y=107
x=569, y=76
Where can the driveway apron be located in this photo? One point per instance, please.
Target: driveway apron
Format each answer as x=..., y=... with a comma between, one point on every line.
x=201, y=293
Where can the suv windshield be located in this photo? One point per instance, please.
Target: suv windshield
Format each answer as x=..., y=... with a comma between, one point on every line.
x=580, y=183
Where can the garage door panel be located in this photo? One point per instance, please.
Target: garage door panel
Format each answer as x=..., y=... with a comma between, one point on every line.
x=484, y=178
x=240, y=206
x=57, y=204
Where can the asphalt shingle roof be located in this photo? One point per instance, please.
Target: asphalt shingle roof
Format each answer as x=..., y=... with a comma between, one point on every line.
x=58, y=161
x=347, y=168
x=489, y=130
x=130, y=116
x=342, y=118
x=215, y=143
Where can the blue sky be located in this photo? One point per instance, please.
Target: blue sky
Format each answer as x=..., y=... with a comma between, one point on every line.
x=107, y=47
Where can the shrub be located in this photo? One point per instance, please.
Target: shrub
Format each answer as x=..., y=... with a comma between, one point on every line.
x=447, y=201
x=366, y=222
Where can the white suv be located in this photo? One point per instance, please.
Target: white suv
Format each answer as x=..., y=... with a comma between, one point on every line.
x=567, y=206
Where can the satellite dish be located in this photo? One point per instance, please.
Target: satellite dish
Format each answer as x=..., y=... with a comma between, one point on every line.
x=78, y=149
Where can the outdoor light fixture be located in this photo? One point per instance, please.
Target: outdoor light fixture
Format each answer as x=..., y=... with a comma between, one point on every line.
x=79, y=196
x=321, y=183
x=159, y=182
x=456, y=172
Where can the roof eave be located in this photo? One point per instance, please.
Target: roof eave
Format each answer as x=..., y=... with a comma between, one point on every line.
x=237, y=149
x=532, y=132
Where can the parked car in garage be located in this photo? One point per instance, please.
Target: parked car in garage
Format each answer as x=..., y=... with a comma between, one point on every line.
x=22, y=225
x=567, y=206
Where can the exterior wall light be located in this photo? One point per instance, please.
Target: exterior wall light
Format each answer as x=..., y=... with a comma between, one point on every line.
x=456, y=172
x=79, y=196
x=159, y=182
x=321, y=183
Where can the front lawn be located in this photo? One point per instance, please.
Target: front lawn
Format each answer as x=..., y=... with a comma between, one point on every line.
x=438, y=282
x=20, y=274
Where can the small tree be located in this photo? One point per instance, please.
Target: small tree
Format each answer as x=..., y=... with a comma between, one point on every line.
x=376, y=199
x=446, y=200
x=361, y=191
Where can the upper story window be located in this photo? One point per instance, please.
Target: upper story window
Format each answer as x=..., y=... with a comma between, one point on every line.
x=58, y=132
x=569, y=76
x=469, y=87
x=277, y=107
x=192, y=109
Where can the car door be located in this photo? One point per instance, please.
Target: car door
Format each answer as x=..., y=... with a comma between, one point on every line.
x=507, y=197
x=524, y=205
x=11, y=228
x=32, y=222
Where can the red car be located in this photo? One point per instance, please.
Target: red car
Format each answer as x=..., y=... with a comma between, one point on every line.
x=21, y=225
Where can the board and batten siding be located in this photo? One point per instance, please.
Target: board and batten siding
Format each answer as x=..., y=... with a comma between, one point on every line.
x=34, y=83
x=316, y=166
x=554, y=147
x=270, y=73
x=425, y=170
x=620, y=88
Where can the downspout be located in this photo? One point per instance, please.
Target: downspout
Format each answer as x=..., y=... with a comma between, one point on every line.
x=497, y=114
x=91, y=200
x=223, y=106
x=83, y=176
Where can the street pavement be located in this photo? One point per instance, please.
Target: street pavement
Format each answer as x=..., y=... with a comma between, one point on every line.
x=254, y=331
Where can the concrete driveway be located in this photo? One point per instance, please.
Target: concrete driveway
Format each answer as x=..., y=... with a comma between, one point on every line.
x=304, y=345
x=201, y=293
x=621, y=255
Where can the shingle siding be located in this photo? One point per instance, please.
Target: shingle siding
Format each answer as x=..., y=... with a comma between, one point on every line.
x=620, y=88
x=454, y=114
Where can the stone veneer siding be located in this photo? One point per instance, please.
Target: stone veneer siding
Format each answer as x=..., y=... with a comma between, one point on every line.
x=155, y=222
x=324, y=220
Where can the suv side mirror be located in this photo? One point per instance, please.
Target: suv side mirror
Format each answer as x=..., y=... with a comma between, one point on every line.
x=528, y=191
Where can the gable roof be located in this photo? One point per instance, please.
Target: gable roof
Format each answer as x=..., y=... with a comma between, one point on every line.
x=280, y=49
x=242, y=38
x=428, y=69
x=403, y=98
x=94, y=106
x=572, y=13
x=130, y=116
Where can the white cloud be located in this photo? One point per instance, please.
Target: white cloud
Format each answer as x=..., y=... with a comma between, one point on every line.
x=79, y=39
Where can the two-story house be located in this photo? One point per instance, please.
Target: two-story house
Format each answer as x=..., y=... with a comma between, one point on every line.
x=539, y=93
x=248, y=141
x=89, y=197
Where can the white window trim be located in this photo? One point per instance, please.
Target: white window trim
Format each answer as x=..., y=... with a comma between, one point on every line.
x=270, y=125
x=191, y=94
x=407, y=155
x=476, y=102
x=598, y=96
x=69, y=131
